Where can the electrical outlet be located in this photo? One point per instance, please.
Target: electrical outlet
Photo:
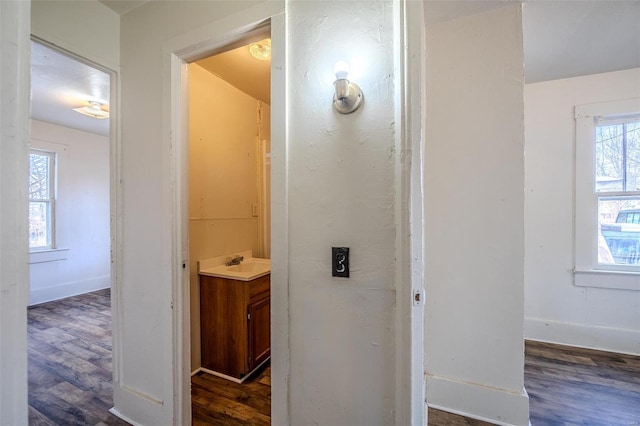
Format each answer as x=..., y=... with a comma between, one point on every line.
x=340, y=262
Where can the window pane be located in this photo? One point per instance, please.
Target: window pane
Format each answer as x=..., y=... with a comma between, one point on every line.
x=609, y=158
x=39, y=169
x=633, y=156
x=39, y=235
x=618, y=239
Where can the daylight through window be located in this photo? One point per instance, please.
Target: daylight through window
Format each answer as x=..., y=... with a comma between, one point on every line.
x=41, y=199
x=617, y=188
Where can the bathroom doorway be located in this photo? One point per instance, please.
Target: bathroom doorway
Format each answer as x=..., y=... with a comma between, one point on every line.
x=229, y=208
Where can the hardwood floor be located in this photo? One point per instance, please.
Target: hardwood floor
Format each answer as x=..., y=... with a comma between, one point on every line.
x=216, y=401
x=70, y=378
x=442, y=418
x=69, y=344
x=567, y=387
x=570, y=386
x=573, y=386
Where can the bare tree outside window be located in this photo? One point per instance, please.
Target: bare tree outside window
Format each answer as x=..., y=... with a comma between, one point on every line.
x=41, y=198
x=617, y=174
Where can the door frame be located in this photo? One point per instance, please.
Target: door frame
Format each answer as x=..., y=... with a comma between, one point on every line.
x=411, y=404
x=177, y=53
x=115, y=197
x=15, y=24
x=409, y=321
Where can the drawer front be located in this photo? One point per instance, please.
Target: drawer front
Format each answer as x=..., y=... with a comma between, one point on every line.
x=260, y=286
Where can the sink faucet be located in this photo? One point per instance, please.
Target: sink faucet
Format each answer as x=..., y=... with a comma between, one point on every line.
x=235, y=261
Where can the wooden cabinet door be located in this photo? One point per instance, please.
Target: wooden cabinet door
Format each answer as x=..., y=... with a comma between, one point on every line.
x=259, y=327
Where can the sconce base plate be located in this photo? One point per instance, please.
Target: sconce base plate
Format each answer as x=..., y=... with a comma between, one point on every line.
x=351, y=102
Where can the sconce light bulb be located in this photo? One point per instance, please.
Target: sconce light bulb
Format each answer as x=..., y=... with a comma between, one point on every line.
x=341, y=70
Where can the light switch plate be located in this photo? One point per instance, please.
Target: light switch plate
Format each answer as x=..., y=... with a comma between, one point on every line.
x=340, y=262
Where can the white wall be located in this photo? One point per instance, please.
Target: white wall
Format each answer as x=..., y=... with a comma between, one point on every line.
x=82, y=214
x=341, y=193
x=14, y=172
x=556, y=310
x=145, y=388
x=222, y=178
x=474, y=225
x=87, y=28
x=18, y=20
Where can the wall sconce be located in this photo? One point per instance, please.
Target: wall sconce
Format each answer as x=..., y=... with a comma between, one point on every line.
x=348, y=96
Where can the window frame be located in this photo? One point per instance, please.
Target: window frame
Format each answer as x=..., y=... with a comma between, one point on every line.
x=587, y=271
x=51, y=201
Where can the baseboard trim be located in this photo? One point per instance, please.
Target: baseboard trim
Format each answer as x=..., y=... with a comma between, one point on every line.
x=600, y=338
x=478, y=402
x=131, y=403
x=121, y=416
x=232, y=379
x=49, y=294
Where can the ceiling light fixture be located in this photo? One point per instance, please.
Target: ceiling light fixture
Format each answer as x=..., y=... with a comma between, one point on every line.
x=94, y=110
x=261, y=50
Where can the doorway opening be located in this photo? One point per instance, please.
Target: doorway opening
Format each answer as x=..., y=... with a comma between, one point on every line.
x=229, y=205
x=70, y=238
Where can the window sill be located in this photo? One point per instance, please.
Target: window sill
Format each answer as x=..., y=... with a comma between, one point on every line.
x=49, y=255
x=608, y=279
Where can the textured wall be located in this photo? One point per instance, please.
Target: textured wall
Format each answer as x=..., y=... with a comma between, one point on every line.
x=87, y=28
x=341, y=176
x=474, y=225
x=146, y=389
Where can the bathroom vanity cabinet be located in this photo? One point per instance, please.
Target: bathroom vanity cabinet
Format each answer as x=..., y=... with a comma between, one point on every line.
x=235, y=327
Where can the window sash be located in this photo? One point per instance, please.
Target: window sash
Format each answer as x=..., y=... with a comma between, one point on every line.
x=613, y=120
x=35, y=240
x=624, y=153
x=586, y=232
x=622, y=250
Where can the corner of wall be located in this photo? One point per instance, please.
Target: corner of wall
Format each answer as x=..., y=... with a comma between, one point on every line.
x=473, y=400
x=474, y=315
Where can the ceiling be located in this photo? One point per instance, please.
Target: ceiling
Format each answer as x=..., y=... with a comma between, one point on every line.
x=122, y=7
x=60, y=83
x=238, y=68
x=567, y=39
x=561, y=39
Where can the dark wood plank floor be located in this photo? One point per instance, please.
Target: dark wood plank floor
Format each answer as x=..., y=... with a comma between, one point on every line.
x=570, y=386
x=573, y=386
x=567, y=387
x=220, y=402
x=70, y=374
x=70, y=378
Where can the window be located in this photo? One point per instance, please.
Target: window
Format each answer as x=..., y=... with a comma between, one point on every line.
x=617, y=184
x=41, y=199
x=607, y=216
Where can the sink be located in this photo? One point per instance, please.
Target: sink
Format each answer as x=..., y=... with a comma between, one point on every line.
x=251, y=265
x=249, y=269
